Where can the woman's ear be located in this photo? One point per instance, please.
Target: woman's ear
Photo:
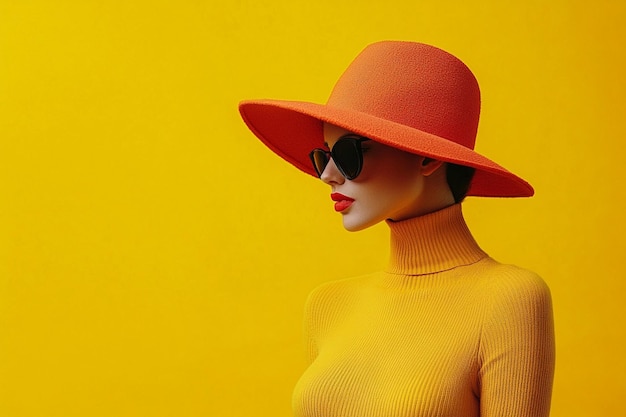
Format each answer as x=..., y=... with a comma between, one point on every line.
x=429, y=165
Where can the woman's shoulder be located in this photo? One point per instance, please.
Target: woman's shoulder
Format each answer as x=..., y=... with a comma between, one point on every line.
x=339, y=291
x=500, y=277
x=510, y=287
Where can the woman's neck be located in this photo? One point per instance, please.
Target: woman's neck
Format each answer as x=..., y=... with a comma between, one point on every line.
x=432, y=243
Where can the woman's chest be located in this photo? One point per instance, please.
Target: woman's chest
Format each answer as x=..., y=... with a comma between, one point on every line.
x=395, y=357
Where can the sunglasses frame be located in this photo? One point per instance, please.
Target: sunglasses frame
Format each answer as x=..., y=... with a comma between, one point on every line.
x=355, y=140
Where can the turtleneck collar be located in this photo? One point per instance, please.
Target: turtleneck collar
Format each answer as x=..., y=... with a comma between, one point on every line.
x=435, y=242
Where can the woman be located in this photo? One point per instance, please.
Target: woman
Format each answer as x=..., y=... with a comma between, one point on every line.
x=445, y=330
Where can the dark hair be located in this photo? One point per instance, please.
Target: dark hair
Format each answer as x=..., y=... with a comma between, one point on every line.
x=459, y=178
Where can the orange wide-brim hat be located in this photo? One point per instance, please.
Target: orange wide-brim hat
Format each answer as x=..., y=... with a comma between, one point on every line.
x=407, y=95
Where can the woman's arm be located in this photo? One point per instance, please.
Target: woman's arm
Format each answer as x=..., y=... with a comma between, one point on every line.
x=517, y=348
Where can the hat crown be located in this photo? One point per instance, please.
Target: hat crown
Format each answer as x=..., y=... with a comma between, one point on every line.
x=415, y=85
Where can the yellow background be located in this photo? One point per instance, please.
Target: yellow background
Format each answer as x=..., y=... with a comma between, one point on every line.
x=155, y=257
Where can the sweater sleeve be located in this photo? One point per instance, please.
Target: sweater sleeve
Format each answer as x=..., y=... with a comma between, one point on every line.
x=310, y=326
x=322, y=307
x=517, y=348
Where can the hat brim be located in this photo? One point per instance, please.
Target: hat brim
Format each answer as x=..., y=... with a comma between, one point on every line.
x=293, y=128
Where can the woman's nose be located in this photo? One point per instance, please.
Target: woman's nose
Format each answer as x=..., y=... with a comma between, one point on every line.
x=331, y=174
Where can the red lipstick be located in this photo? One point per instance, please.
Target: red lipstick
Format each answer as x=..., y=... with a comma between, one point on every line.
x=342, y=202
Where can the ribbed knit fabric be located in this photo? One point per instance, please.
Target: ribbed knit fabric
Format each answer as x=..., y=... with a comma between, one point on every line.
x=444, y=331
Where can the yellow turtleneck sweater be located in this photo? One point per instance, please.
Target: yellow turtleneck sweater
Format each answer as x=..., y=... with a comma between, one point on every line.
x=444, y=331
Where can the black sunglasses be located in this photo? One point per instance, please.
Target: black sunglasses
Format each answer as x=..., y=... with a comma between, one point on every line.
x=347, y=154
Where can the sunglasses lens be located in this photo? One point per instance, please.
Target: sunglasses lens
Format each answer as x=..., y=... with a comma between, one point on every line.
x=346, y=153
x=346, y=156
x=319, y=159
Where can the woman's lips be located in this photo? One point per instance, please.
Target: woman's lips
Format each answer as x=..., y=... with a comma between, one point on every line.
x=342, y=202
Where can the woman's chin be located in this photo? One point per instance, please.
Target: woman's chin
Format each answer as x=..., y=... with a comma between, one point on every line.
x=354, y=225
